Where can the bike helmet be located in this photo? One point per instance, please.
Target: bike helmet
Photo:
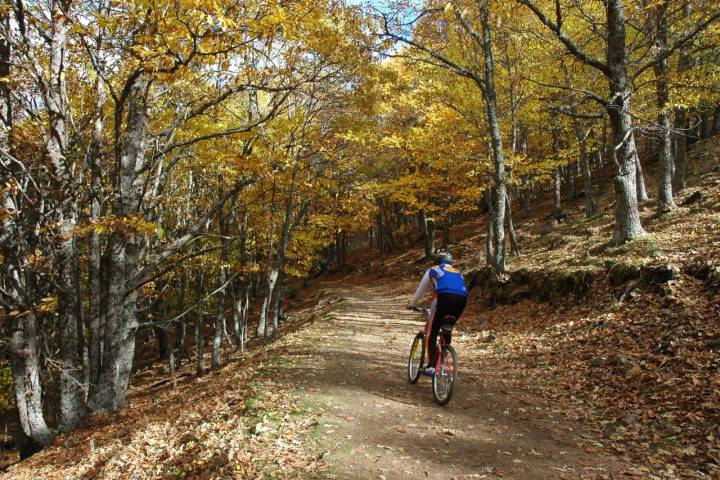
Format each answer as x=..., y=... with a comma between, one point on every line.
x=443, y=257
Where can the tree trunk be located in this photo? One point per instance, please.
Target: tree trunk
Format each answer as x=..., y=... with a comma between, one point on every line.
x=271, y=276
x=219, y=325
x=716, y=121
x=245, y=315
x=447, y=223
x=277, y=302
x=162, y=337
x=557, y=191
x=514, y=251
x=199, y=330
x=590, y=207
x=627, y=215
x=263, y=324
x=5, y=100
x=706, y=124
x=490, y=228
x=95, y=285
x=569, y=178
x=25, y=364
x=667, y=162
x=72, y=396
x=603, y=148
x=428, y=231
x=584, y=162
x=237, y=319
x=642, y=195
x=124, y=252
x=180, y=328
x=498, y=258
x=681, y=127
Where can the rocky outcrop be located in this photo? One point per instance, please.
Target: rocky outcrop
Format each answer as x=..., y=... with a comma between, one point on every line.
x=549, y=285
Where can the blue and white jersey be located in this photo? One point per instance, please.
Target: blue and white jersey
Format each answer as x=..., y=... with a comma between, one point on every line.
x=448, y=279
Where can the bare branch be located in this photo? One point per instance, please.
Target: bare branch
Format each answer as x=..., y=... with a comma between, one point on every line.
x=569, y=44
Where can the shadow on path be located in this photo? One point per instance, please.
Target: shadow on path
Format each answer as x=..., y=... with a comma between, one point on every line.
x=374, y=424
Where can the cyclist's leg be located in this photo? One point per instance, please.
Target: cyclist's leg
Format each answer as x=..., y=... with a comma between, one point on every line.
x=454, y=305
x=428, y=329
x=432, y=344
x=448, y=304
x=437, y=310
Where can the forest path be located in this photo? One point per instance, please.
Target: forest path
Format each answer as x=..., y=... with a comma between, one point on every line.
x=349, y=370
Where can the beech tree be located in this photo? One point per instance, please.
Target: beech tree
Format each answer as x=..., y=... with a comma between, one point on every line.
x=618, y=105
x=475, y=35
x=128, y=99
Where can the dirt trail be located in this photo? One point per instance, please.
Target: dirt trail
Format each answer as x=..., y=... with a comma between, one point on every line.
x=350, y=371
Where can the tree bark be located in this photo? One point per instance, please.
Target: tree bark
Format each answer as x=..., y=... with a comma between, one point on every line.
x=237, y=318
x=706, y=124
x=25, y=364
x=667, y=162
x=602, y=156
x=584, y=160
x=72, y=396
x=498, y=257
x=428, y=231
x=245, y=315
x=525, y=202
x=681, y=128
x=219, y=325
x=5, y=98
x=263, y=324
x=514, y=251
x=490, y=227
x=642, y=195
x=557, y=190
x=180, y=328
x=199, y=331
x=447, y=224
x=590, y=206
x=124, y=252
x=95, y=289
x=627, y=215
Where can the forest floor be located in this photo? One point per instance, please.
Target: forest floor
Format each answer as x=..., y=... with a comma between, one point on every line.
x=350, y=371
x=622, y=382
x=331, y=400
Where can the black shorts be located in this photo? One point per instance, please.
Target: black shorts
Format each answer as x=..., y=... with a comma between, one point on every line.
x=449, y=304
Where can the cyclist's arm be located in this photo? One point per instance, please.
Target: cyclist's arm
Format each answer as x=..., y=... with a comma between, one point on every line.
x=425, y=286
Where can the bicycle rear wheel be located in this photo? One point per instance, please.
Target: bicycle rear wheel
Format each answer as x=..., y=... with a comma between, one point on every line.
x=415, y=360
x=445, y=376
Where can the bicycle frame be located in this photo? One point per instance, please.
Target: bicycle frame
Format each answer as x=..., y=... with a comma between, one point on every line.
x=445, y=366
x=441, y=342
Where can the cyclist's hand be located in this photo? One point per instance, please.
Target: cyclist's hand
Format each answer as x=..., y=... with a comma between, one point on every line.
x=409, y=306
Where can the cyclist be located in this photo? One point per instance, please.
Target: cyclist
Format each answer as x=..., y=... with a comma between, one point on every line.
x=449, y=299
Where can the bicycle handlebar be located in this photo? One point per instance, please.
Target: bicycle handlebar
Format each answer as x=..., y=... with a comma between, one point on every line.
x=419, y=309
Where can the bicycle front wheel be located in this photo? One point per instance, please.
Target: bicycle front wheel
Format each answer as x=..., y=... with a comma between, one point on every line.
x=415, y=360
x=445, y=375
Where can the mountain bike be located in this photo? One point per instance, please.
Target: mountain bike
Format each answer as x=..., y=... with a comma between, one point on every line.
x=446, y=364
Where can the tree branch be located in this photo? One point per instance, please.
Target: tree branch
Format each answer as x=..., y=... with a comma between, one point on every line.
x=569, y=44
x=684, y=40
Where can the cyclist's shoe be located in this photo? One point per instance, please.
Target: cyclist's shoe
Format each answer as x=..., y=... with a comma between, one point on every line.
x=430, y=372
